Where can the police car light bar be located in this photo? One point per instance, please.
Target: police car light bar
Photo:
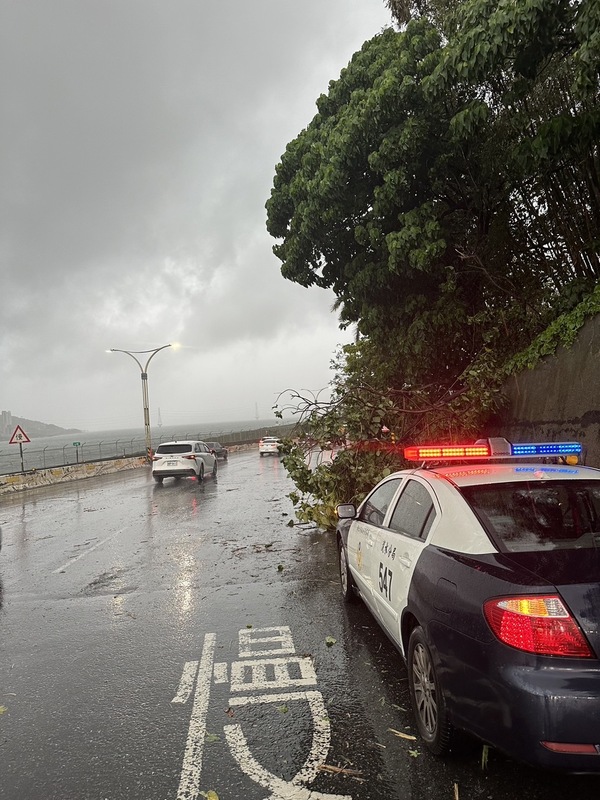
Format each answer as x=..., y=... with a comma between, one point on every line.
x=490, y=448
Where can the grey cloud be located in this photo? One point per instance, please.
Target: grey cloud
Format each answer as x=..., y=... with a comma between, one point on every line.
x=137, y=150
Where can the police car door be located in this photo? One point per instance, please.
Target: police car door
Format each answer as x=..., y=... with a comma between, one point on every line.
x=363, y=533
x=397, y=549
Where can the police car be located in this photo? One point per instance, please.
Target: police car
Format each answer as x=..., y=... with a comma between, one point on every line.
x=483, y=568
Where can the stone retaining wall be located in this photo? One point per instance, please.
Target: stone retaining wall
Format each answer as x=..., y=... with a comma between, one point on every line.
x=559, y=399
x=19, y=481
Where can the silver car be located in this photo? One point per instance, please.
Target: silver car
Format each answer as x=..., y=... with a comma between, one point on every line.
x=183, y=459
x=269, y=445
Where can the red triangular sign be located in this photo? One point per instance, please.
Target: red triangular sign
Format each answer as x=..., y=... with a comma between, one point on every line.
x=19, y=436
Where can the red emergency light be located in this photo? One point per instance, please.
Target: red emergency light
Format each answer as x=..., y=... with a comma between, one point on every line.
x=420, y=453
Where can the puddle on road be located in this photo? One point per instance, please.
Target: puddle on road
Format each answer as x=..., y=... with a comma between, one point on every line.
x=110, y=582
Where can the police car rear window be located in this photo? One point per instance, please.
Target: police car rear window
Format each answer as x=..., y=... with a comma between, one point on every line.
x=525, y=516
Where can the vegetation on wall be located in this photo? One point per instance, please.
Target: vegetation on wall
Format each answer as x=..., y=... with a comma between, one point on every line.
x=448, y=192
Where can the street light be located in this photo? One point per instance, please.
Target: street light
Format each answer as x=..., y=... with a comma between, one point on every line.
x=144, y=370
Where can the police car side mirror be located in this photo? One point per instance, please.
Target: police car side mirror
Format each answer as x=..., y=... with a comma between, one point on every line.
x=346, y=511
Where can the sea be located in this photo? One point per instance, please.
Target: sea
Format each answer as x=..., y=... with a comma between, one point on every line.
x=71, y=448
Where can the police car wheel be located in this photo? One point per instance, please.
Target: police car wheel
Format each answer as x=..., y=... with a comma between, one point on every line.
x=426, y=696
x=346, y=579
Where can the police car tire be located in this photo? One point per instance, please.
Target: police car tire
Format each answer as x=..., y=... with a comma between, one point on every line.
x=426, y=696
x=349, y=594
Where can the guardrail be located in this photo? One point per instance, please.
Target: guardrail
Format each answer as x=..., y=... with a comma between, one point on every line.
x=85, y=453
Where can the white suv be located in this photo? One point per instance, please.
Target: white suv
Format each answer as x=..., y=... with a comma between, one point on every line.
x=181, y=459
x=269, y=445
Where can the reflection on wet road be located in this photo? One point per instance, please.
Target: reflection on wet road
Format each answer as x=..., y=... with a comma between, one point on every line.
x=164, y=641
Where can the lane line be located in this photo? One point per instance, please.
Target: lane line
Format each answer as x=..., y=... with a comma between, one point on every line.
x=86, y=552
x=189, y=783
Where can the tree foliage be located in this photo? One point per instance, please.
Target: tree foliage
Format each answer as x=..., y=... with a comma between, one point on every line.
x=448, y=192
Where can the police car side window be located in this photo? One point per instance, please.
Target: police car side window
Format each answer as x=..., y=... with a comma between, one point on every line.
x=377, y=504
x=414, y=512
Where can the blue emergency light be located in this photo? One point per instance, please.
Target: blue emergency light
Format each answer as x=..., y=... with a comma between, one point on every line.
x=547, y=449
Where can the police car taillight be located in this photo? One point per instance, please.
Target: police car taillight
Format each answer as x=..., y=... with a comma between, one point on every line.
x=536, y=624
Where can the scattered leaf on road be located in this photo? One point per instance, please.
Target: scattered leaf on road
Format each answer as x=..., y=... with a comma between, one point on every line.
x=339, y=770
x=212, y=737
x=403, y=735
x=280, y=567
x=414, y=753
x=330, y=641
x=3, y=709
x=283, y=709
x=229, y=711
x=210, y=795
x=484, y=756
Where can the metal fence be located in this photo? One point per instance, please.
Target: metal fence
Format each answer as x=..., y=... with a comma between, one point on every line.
x=60, y=456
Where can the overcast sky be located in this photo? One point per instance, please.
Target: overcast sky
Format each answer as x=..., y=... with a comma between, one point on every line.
x=138, y=144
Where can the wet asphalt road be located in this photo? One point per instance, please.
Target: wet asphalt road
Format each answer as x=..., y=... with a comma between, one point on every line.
x=139, y=626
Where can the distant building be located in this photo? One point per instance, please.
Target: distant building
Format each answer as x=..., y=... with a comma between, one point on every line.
x=5, y=423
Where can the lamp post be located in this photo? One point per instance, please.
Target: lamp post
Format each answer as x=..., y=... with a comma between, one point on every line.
x=144, y=370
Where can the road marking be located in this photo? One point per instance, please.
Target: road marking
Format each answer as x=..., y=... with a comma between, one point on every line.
x=189, y=783
x=322, y=731
x=252, y=675
x=284, y=790
x=264, y=673
x=186, y=684
x=87, y=552
x=250, y=638
x=221, y=673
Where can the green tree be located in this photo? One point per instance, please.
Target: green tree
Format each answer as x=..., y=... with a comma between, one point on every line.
x=408, y=223
x=448, y=192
